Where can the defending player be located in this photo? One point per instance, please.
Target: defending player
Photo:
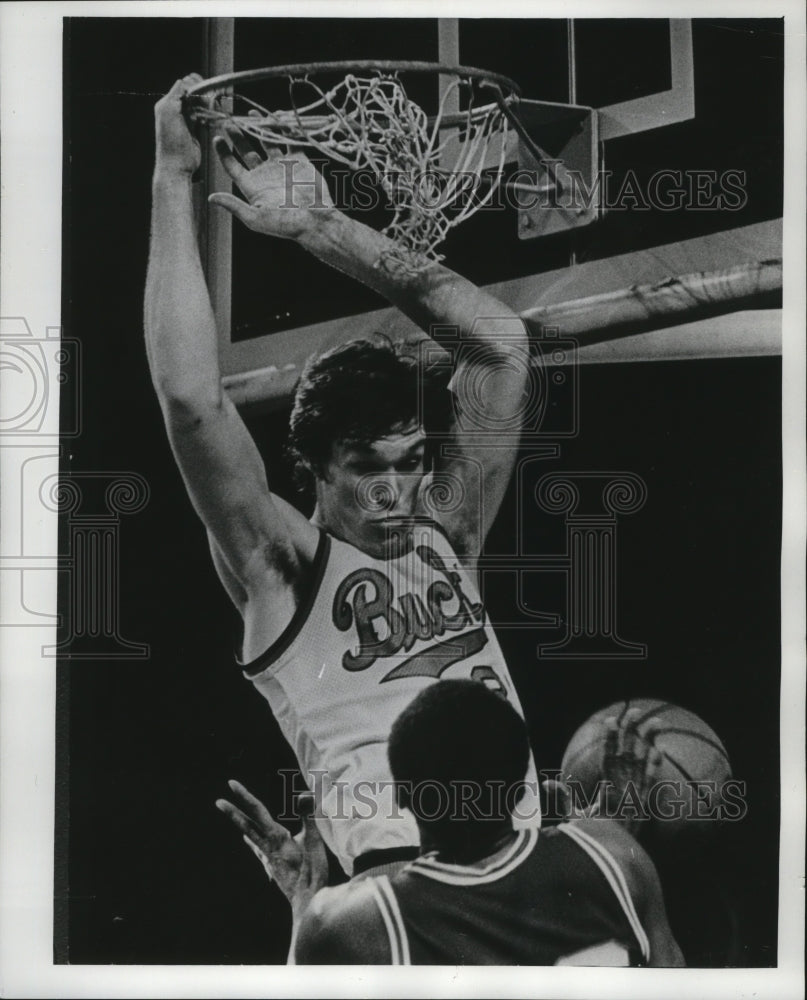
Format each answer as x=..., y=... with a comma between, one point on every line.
x=346, y=615
x=581, y=893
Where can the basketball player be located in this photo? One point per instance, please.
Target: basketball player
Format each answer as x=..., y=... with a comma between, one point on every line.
x=348, y=614
x=581, y=893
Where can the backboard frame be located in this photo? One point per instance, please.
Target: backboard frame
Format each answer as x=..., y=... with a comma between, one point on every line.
x=668, y=106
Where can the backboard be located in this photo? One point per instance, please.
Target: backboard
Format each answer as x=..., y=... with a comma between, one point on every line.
x=678, y=158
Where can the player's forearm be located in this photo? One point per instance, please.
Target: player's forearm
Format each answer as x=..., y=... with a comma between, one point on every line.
x=180, y=327
x=433, y=297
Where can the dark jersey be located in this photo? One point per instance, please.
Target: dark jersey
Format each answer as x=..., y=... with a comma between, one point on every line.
x=556, y=897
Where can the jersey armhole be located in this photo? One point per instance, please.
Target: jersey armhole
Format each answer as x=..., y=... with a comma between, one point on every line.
x=273, y=652
x=615, y=877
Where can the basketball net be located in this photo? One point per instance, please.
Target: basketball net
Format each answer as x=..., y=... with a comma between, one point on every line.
x=369, y=123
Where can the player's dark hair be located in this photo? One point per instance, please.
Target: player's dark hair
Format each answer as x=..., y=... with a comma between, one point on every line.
x=458, y=735
x=358, y=393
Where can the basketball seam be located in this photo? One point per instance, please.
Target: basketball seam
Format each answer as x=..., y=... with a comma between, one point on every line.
x=664, y=707
x=698, y=736
x=671, y=760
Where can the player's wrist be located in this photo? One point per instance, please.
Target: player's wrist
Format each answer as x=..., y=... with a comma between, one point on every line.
x=321, y=228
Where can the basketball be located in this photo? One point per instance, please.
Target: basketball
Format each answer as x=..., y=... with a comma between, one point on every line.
x=686, y=788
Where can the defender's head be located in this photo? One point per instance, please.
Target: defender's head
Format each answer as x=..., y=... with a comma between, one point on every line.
x=459, y=754
x=357, y=436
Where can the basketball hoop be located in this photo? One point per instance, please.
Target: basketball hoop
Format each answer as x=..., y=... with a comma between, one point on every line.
x=435, y=171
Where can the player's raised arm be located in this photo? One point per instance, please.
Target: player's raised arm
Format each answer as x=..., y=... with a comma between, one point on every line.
x=488, y=340
x=255, y=535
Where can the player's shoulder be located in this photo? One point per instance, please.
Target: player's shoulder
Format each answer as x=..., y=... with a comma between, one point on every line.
x=632, y=859
x=337, y=902
x=643, y=884
x=343, y=924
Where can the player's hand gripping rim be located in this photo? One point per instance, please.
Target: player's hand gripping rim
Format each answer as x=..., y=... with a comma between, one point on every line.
x=178, y=151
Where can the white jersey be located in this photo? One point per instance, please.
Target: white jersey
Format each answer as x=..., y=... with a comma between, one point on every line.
x=371, y=634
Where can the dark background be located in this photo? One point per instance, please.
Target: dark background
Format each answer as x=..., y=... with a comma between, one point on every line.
x=147, y=870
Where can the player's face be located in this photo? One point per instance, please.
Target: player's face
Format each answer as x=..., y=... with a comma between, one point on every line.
x=365, y=487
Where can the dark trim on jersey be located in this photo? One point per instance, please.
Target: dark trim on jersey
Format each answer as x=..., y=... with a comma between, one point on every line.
x=390, y=911
x=615, y=877
x=298, y=619
x=441, y=871
x=383, y=856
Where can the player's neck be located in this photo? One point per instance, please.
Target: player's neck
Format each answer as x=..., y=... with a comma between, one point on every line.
x=473, y=849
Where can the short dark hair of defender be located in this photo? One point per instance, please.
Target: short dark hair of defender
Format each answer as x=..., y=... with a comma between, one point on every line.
x=358, y=393
x=458, y=753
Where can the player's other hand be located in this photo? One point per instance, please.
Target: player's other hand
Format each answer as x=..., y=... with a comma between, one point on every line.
x=298, y=864
x=177, y=149
x=283, y=194
x=629, y=769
